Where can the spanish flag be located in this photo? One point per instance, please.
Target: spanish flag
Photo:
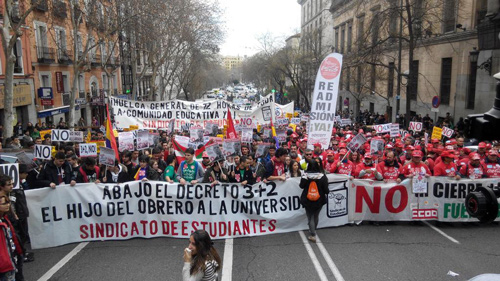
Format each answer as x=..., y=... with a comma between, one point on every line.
x=110, y=135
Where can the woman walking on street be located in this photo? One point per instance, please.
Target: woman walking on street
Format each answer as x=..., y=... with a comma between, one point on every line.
x=201, y=260
x=313, y=177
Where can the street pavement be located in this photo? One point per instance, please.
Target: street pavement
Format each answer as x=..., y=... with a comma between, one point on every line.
x=397, y=251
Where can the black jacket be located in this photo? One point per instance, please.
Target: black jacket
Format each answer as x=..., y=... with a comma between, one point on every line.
x=322, y=183
x=122, y=177
x=247, y=176
x=50, y=173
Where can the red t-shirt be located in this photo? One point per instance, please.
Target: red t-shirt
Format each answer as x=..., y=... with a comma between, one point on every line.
x=347, y=168
x=370, y=176
x=492, y=170
x=472, y=172
x=388, y=172
x=445, y=170
x=414, y=169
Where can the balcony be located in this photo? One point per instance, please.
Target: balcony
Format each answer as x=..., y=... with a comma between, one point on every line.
x=40, y=5
x=95, y=60
x=45, y=54
x=59, y=9
x=65, y=56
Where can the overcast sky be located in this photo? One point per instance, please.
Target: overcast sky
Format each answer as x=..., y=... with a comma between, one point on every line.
x=247, y=20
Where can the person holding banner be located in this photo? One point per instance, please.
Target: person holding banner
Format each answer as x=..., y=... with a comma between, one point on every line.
x=367, y=169
x=88, y=171
x=389, y=168
x=275, y=168
x=189, y=171
x=216, y=173
x=201, y=260
x=491, y=164
x=57, y=172
x=343, y=166
x=243, y=173
x=415, y=167
x=115, y=174
x=446, y=168
x=169, y=173
x=473, y=169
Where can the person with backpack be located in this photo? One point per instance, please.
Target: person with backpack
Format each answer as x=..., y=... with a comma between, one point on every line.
x=189, y=170
x=314, y=185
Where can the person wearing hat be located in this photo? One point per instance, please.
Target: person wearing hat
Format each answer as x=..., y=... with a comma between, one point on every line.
x=318, y=151
x=205, y=162
x=302, y=147
x=473, y=169
x=407, y=156
x=216, y=173
x=389, y=168
x=415, y=166
x=367, y=169
x=343, y=165
x=329, y=161
x=491, y=164
x=446, y=168
x=481, y=150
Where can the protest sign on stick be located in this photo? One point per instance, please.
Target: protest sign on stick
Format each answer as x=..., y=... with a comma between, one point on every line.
x=214, y=152
x=43, y=151
x=262, y=150
x=356, y=142
x=125, y=141
x=376, y=147
x=107, y=156
x=142, y=140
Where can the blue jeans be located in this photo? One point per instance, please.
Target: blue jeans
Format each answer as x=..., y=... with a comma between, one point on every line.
x=8, y=276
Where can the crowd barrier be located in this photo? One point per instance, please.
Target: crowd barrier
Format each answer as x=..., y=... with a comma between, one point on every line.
x=96, y=212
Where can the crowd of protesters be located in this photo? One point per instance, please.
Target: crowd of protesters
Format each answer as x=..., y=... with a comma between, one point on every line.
x=404, y=156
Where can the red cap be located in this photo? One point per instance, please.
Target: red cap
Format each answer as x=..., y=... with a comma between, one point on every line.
x=474, y=156
x=294, y=135
x=317, y=144
x=434, y=140
x=204, y=155
x=493, y=152
x=481, y=145
x=303, y=140
x=329, y=152
x=488, y=146
x=399, y=145
x=342, y=144
x=387, y=136
x=449, y=147
x=368, y=155
x=360, y=131
x=466, y=150
x=429, y=146
x=389, y=146
x=416, y=153
x=448, y=154
x=410, y=147
x=342, y=151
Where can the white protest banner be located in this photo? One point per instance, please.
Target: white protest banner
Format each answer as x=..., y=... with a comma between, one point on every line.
x=43, y=152
x=88, y=150
x=248, y=122
x=324, y=101
x=142, y=140
x=230, y=147
x=159, y=114
x=447, y=132
x=295, y=121
x=284, y=110
x=11, y=170
x=247, y=135
x=107, y=156
x=356, y=142
x=384, y=128
x=60, y=135
x=415, y=126
x=281, y=122
x=146, y=209
x=377, y=147
x=394, y=130
x=419, y=184
x=125, y=141
x=214, y=152
x=196, y=134
x=262, y=150
x=211, y=129
x=281, y=134
x=345, y=122
x=76, y=136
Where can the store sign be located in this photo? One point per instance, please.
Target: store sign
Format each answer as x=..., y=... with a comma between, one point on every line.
x=21, y=97
x=46, y=96
x=59, y=82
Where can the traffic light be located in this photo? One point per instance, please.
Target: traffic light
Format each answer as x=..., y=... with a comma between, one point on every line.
x=127, y=91
x=285, y=94
x=273, y=91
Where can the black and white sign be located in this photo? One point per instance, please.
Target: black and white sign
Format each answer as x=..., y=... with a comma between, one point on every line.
x=88, y=150
x=11, y=170
x=107, y=156
x=43, y=152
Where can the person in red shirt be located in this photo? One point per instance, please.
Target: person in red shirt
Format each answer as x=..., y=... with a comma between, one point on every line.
x=389, y=168
x=318, y=151
x=329, y=161
x=473, y=169
x=343, y=166
x=491, y=164
x=446, y=168
x=481, y=150
x=415, y=166
x=367, y=169
x=407, y=156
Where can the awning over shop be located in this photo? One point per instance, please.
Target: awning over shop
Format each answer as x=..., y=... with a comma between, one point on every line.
x=54, y=111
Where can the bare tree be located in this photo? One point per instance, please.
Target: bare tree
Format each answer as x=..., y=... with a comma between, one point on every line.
x=13, y=17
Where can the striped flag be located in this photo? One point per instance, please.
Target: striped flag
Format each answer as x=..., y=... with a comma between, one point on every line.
x=110, y=135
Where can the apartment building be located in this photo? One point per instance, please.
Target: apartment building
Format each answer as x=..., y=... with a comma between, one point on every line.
x=448, y=61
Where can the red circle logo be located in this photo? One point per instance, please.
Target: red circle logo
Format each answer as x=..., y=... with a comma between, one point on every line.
x=330, y=68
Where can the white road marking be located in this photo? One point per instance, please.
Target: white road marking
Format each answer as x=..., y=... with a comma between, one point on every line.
x=63, y=261
x=329, y=260
x=227, y=262
x=313, y=257
x=441, y=232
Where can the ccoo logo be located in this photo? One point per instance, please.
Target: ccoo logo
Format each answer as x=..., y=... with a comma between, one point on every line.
x=330, y=68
